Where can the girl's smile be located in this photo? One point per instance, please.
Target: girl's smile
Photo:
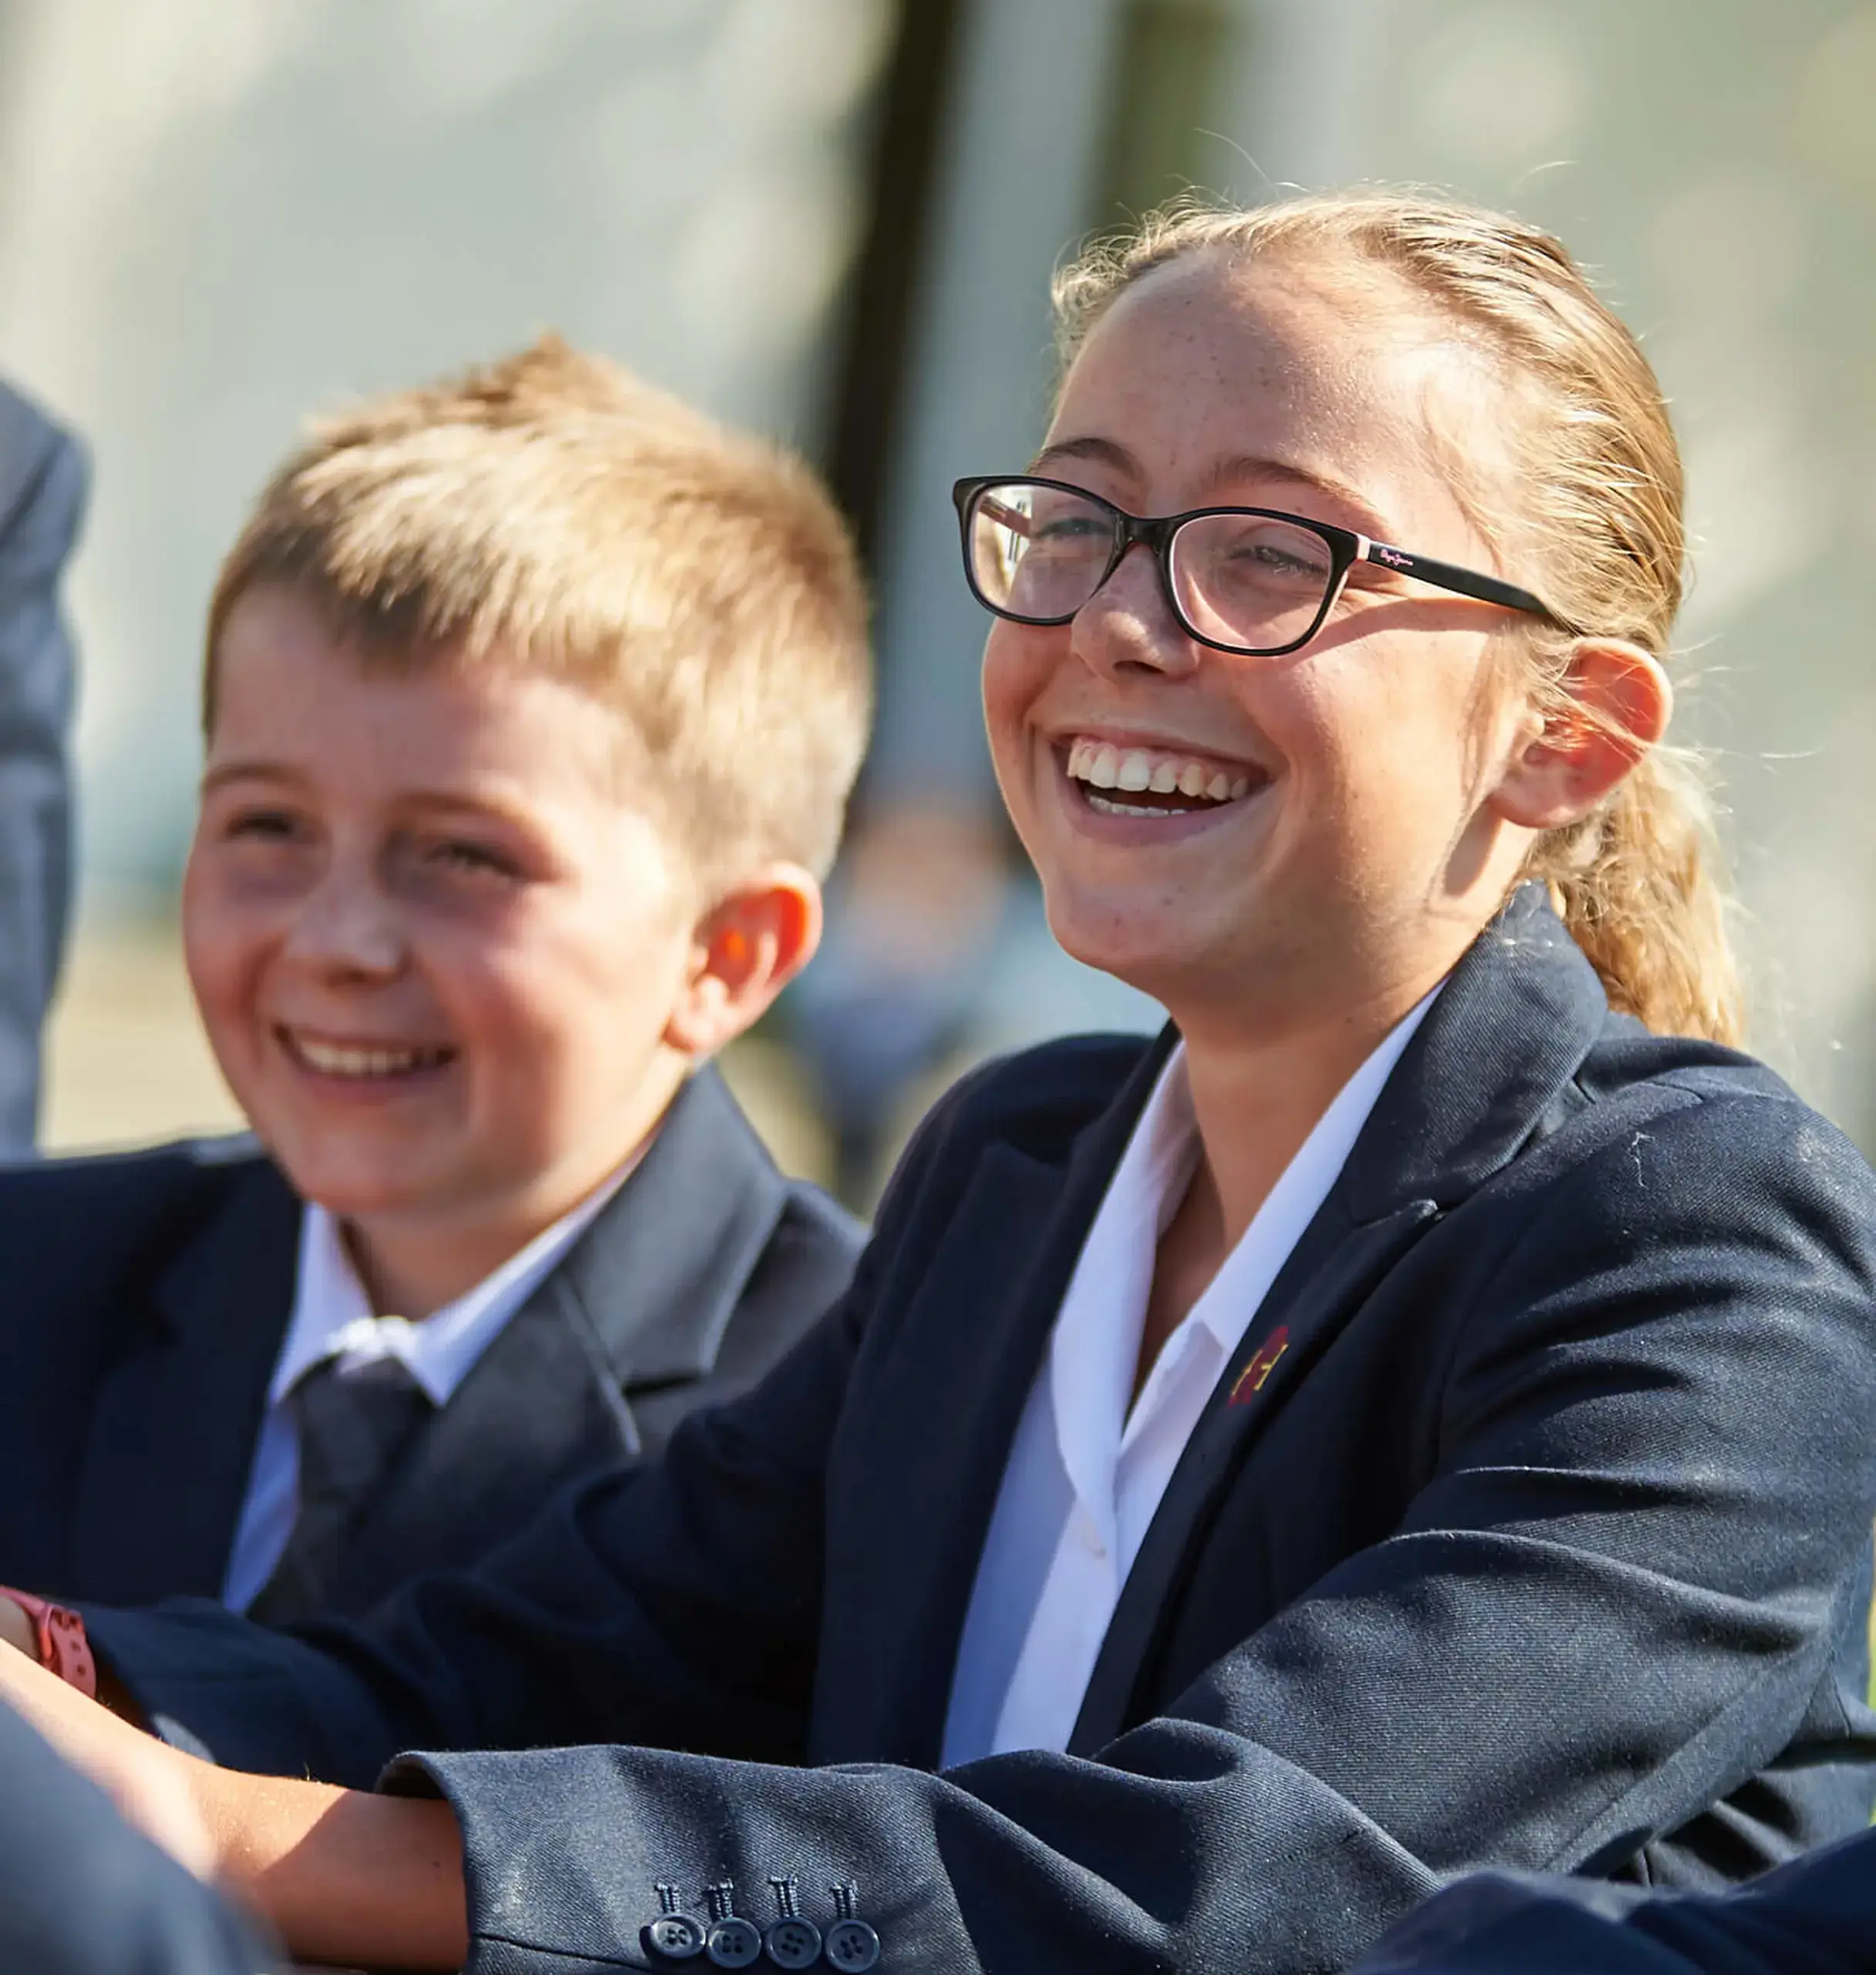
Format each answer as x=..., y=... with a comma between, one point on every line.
x=1204, y=821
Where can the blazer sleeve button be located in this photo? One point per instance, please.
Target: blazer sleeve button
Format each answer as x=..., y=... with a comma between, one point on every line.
x=793, y=1943
x=675, y=1936
x=733, y=1943
x=853, y=1946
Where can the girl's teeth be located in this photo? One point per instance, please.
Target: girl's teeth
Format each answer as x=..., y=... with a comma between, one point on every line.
x=1136, y=771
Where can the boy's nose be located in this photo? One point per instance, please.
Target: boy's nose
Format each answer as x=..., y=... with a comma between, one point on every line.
x=1128, y=623
x=345, y=925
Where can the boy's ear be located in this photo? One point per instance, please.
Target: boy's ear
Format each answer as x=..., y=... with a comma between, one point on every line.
x=1620, y=704
x=746, y=949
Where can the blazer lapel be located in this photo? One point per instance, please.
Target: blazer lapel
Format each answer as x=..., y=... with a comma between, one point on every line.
x=641, y=1300
x=1331, y=1271
x=660, y=1276
x=1493, y=1060
x=172, y=1426
x=998, y=1276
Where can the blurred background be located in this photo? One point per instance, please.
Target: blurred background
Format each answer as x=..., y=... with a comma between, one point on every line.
x=834, y=220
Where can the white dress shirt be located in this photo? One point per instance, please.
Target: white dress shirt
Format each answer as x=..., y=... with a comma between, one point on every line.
x=333, y=1317
x=1085, y=1473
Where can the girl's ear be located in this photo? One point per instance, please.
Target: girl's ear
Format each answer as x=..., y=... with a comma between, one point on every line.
x=1619, y=704
x=745, y=949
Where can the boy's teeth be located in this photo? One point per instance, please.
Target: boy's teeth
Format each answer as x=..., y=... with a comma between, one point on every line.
x=337, y=1059
x=1136, y=771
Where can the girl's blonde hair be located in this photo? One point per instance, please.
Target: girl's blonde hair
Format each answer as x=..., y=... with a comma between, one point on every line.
x=1600, y=501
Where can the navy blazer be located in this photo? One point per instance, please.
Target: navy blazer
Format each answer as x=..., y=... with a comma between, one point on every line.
x=82, y=1894
x=41, y=497
x=145, y=1297
x=1817, y=1916
x=1545, y=1543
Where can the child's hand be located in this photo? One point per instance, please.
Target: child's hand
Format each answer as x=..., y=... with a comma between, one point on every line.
x=153, y=1786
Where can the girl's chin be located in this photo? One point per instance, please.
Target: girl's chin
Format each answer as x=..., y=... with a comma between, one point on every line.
x=1145, y=948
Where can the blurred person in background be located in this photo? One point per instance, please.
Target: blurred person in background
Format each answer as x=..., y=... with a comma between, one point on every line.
x=1418, y=1413
x=531, y=702
x=42, y=499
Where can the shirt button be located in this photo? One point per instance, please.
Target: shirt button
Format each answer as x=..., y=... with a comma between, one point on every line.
x=853, y=1946
x=793, y=1943
x=676, y=1936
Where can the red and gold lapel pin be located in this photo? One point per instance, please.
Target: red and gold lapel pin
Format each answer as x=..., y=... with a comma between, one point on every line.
x=1250, y=1380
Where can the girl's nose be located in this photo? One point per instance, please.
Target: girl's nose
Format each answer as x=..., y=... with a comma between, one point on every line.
x=1128, y=624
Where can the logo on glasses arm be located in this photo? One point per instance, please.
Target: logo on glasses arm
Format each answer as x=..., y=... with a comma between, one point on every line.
x=1392, y=557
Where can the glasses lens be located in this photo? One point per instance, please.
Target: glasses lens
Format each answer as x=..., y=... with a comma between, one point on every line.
x=1246, y=581
x=1037, y=552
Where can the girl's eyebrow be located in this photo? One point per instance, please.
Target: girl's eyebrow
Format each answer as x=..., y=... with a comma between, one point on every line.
x=1104, y=452
x=1287, y=473
x=1239, y=466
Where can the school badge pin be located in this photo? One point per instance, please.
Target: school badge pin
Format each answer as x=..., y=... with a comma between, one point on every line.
x=1250, y=1380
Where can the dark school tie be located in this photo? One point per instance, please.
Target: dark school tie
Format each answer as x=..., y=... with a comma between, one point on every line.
x=352, y=1430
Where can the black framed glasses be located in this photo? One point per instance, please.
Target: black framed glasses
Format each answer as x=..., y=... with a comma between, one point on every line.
x=1252, y=581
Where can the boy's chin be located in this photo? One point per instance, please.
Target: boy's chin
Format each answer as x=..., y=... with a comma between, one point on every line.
x=357, y=1184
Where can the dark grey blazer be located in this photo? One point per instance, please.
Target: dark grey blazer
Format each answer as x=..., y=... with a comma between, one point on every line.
x=1545, y=1544
x=42, y=496
x=146, y=1294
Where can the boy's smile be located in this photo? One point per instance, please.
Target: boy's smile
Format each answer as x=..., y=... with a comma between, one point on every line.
x=368, y=1065
x=435, y=949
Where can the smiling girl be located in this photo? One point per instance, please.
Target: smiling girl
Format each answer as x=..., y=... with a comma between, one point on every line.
x=1420, y=1412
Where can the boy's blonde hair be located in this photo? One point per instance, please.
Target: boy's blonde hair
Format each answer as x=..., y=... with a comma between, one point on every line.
x=1600, y=509
x=551, y=513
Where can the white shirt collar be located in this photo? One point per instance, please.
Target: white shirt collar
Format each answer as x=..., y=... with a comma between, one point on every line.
x=1094, y=1351
x=332, y=1317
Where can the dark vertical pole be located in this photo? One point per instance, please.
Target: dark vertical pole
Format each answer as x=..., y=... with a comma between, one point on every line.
x=910, y=117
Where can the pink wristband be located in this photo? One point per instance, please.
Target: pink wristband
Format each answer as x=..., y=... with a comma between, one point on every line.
x=58, y=1633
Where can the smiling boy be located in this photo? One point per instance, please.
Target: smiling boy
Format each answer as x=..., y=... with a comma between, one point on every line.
x=530, y=707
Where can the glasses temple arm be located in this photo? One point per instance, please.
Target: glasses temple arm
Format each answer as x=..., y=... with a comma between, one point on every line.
x=1462, y=582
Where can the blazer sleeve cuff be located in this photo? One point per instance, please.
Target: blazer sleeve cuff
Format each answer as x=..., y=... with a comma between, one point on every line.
x=240, y=1695
x=547, y=1872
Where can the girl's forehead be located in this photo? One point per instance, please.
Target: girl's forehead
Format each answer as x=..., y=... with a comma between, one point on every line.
x=1290, y=336
x=1336, y=365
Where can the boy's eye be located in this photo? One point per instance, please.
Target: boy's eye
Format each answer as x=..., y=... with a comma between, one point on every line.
x=479, y=859
x=263, y=825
